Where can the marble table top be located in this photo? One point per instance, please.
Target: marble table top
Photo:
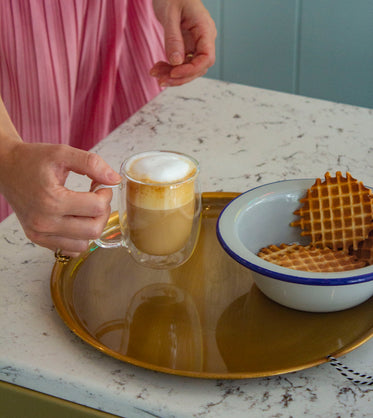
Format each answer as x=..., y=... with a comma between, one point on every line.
x=243, y=137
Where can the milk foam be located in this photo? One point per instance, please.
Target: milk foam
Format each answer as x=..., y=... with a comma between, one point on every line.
x=153, y=171
x=159, y=167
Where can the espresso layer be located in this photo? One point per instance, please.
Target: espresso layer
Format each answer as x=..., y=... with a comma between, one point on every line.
x=158, y=197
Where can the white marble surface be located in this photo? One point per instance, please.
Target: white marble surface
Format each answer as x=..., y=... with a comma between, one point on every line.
x=242, y=137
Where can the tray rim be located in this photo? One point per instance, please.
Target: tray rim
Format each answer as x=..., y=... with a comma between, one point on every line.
x=80, y=331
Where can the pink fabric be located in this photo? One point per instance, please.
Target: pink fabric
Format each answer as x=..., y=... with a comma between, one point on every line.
x=73, y=70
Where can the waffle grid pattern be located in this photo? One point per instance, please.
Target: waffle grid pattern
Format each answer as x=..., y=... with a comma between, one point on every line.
x=365, y=250
x=310, y=258
x=336, y=213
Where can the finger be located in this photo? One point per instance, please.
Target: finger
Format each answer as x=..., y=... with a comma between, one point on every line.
x=188, y=39
x=203, y=49
x=166, y=77
x=164, y=69
x=69, y=247
x=174, y=43
x=205, y=36
x=72, y=227
x=84, y=204
x=174, y=82
x=199, y=64
x=90, y=164
x=82, y=228
x=160, y=69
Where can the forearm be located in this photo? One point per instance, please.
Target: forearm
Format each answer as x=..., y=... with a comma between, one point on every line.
x=9, y=139
x=7, y=129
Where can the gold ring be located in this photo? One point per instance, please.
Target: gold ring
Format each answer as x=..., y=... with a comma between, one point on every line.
x=60, y=257
x=189, y=56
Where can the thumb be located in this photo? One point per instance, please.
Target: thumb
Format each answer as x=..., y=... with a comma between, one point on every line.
x=174, y=42
x=92, y=165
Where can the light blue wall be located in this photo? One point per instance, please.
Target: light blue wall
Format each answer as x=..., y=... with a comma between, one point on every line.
x=317, y=48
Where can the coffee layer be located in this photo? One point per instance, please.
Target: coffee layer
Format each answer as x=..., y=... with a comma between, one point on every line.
x=160, y=197
x=160, y=232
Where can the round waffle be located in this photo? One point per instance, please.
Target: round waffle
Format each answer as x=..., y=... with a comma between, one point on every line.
x=336, y=213
x=310, y=258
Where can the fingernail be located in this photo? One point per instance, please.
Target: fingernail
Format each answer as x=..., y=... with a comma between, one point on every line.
x=114, y=177
x=164, y=84
x=176, y=58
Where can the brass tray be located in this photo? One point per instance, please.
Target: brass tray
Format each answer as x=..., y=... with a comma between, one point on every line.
x=204, y=319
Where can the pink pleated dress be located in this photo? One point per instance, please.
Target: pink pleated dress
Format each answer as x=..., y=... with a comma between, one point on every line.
x=73, y=70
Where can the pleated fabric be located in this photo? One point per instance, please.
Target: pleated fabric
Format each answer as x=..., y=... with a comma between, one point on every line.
x=73, y=70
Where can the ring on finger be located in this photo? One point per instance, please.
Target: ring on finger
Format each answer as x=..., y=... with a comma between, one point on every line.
x=60, y=257
x=189, y=56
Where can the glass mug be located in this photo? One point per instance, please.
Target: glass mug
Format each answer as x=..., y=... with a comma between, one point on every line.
x=159, y=205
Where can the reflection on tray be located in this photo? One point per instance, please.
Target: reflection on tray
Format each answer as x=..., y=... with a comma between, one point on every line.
x=254, y=333
x=161, y=326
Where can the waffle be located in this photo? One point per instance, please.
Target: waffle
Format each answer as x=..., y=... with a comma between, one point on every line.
x=365, y=250
x=336, y=213
x=310, y=258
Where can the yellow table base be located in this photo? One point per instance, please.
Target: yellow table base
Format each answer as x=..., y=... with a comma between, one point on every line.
x=19, y=402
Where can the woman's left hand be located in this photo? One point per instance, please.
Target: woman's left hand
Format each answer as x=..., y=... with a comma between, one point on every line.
x=190, y=36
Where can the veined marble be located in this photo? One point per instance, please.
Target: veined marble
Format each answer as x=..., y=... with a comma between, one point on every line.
x=242, y=137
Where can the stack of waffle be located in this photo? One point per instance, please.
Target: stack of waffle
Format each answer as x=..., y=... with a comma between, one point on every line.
x=337, y=214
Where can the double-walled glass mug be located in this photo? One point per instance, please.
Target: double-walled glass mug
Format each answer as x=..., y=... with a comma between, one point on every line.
x=159, y=205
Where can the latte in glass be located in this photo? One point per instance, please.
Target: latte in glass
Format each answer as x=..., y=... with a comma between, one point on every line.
x=159, y=208
x=160, y=201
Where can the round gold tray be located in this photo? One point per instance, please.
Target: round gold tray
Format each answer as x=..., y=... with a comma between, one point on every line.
x=204, y=319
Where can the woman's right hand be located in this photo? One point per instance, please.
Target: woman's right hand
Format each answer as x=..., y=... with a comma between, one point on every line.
x=190, y=36
x=32, y=179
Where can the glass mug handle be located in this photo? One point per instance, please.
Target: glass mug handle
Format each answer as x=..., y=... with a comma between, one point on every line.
x=113, y=243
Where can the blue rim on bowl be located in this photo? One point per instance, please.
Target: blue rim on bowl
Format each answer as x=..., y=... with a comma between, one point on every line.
x=226, y=229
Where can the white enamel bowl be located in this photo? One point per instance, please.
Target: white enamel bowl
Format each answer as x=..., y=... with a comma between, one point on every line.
x=262, y=216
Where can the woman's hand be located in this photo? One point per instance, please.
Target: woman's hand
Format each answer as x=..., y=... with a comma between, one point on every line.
x=189, y=41
x=52, y=215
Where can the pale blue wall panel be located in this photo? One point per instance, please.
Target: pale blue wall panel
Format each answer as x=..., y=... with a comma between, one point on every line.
x=214, y=7
x=336, y=50
x=318, y=48
x=259, y=42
